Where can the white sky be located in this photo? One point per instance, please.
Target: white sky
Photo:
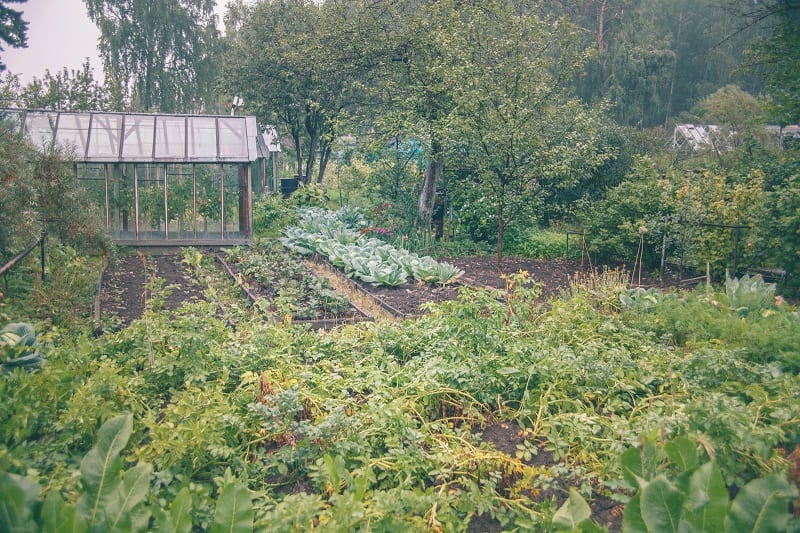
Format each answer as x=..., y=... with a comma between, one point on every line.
x=60, y=35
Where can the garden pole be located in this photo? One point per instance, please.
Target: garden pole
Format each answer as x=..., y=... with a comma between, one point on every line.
x=41, y=252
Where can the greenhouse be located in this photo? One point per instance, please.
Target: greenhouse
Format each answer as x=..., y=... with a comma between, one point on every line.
x=162, y=179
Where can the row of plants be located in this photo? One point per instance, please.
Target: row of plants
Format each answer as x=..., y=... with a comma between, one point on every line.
x=380, y=426
x=286, y=285
x=339, y=237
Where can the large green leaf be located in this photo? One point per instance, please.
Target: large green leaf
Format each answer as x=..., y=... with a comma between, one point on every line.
x=761, y=506
x=574, y=511
x=234, y=512
x=708, y=498
x=101, y=467
x=126, y=512
x=682, y=452
x=15, y=504
x=59, y=517
x=179, y=518
x=661, y=505
x=632, y=521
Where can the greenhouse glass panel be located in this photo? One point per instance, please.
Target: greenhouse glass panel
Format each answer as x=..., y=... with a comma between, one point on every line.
x=39, y=128
x=152, y=202
x=104, y=137
x=180, y=202
x=73, y=132
x=170, y=137
x=202, y=142
x=209, y=201
x=233, y=139
x=137, y=140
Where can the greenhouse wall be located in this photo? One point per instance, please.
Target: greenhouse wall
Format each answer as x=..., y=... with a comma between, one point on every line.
x=162, y=179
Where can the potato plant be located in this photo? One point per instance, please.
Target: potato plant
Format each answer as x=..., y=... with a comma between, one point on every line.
x=385, y=426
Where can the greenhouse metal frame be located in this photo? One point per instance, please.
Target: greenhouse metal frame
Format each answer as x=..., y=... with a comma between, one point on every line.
x=162, y=179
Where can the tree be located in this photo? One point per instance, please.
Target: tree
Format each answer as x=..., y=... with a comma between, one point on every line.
x=161, y=52
x=279, y=58
x=521, y=133
x=776, y=56
x=13, y=30
x=68, y=90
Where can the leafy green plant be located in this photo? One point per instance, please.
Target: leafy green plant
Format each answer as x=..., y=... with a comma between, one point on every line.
x=18, y=346
x=675, y=491
x=113, y=498
x=749, y=293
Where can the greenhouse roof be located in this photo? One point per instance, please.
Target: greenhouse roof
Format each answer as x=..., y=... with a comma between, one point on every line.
x=138, y=137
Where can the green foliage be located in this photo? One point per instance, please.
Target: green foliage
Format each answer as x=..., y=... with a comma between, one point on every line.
x=368, y=259
x=614, y=224
x=18, y=346
x=288, y=285
x=311, y=195
x=546, y=244
x=112, y=498
x=678, y=492
x=748, y=294
x=161, y=56
x=746, y=317
x=270, y=215
x=776, y=240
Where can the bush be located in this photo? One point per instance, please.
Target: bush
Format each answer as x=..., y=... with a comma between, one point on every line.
x=545, y=244
x=270, y=215
x=632, y=213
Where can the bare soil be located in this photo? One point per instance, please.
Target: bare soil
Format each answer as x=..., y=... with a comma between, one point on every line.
x=124, y=291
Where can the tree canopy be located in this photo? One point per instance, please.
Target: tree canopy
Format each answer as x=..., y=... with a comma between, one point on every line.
x=13, y=29
x=158, y=54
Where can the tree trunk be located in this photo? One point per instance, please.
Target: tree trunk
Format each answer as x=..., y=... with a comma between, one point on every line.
x=298, y=154
x=427, y=195
x=324, y=156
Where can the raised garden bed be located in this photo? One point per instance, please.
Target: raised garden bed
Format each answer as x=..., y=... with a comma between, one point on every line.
x=287, y=289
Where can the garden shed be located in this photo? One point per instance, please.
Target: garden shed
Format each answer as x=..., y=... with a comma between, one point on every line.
x=162, y=179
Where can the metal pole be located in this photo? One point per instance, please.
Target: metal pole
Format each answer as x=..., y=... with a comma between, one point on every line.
x=222, y=202
x=108, y=207
x=136, y=198
x=41, y=252
x=166, y=208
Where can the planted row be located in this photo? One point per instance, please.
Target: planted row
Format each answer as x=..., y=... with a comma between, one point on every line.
x=288, y=285
x=338, y=237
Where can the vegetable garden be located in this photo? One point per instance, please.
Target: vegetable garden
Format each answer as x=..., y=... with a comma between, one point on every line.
x=601, y=408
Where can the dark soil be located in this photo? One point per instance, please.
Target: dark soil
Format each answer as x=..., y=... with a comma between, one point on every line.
x=124, y=290
x=123, y=295
x=479, y=272
x=504, y=437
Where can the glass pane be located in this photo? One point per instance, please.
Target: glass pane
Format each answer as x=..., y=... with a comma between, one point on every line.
x=39, y=128
x=233, y=138
x=170, y=138
x=137, y=142
x=180, y=202
x=104, y=137
x=233, y=196
x=209, y=201
x=73, y=132
x=151, y=202
x=122, y=210
x=202, y=138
